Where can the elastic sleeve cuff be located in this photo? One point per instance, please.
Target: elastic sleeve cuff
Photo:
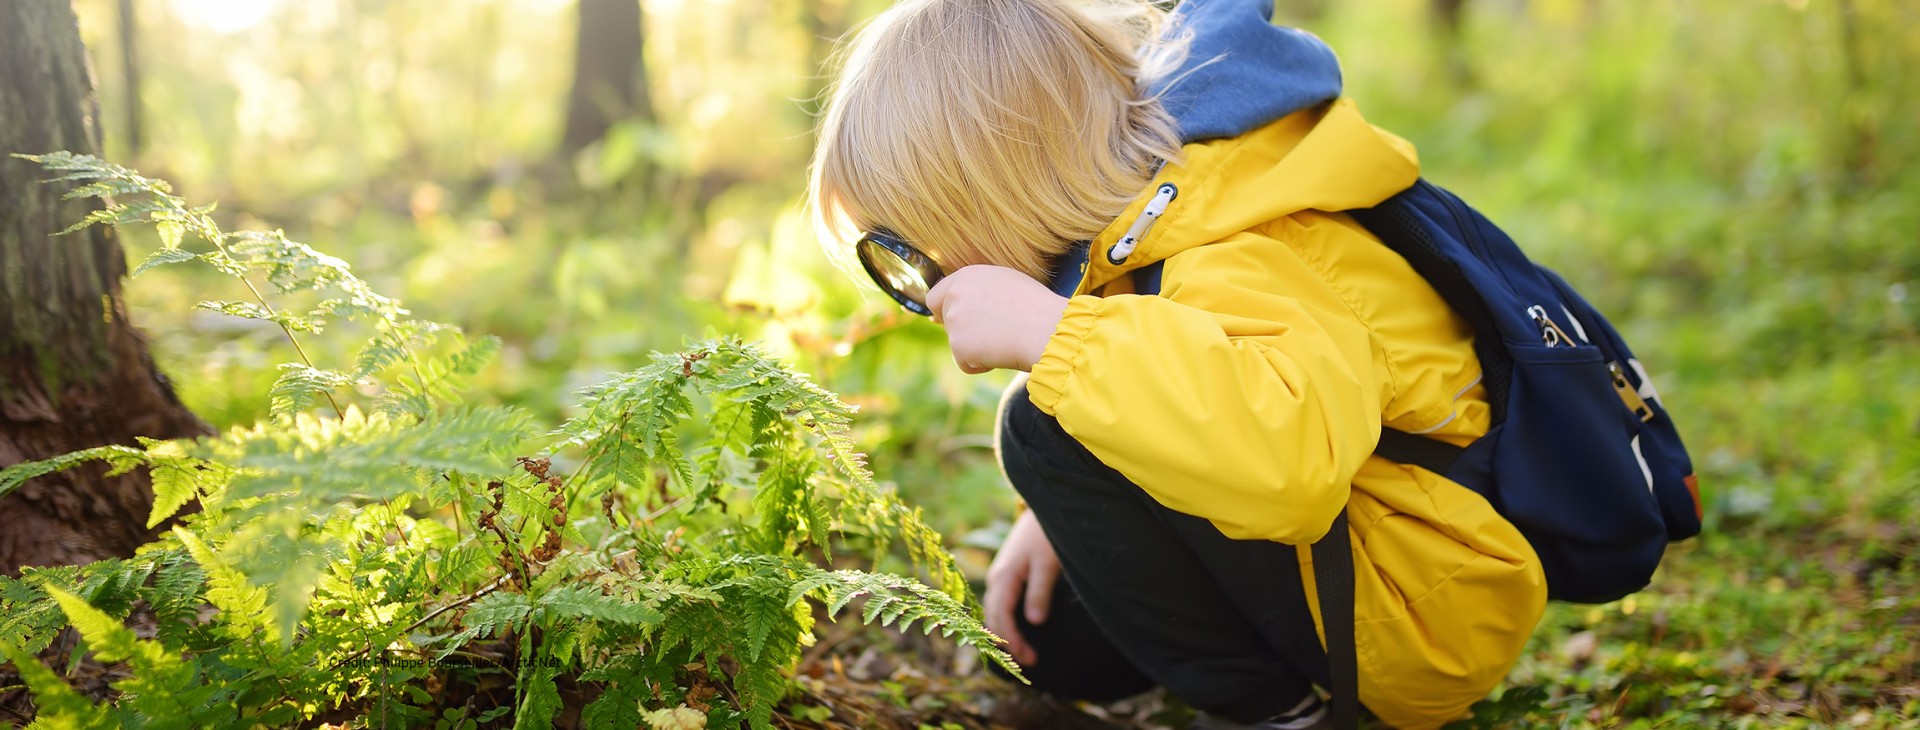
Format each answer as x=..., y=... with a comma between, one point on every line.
x=1050, y=375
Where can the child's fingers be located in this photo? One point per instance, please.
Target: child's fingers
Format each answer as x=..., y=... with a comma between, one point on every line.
x=1003, y=591
x=1040, y=579
x=937, y=297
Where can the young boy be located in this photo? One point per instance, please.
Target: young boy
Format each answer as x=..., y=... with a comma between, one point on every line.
x=1015, y=169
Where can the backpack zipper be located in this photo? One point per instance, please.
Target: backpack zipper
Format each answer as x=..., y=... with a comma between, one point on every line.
x=1628, y=394
x=1550, y=333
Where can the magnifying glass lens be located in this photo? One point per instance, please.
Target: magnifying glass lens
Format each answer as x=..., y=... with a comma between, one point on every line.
x=896, y=274
x=899, y=269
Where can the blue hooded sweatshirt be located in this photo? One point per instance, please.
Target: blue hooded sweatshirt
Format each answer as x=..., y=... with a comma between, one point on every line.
x=1241, y=72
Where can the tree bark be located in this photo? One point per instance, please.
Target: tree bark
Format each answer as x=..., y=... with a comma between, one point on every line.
x=1449, y=21
x=74, y=373
x=609, y=77
x=130, y=73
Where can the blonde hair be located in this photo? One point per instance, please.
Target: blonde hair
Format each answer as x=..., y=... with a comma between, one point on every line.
x=994, y=131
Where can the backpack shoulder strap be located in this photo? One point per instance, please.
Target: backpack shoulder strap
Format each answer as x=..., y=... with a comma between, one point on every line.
x=1405, y=448
x=1333, y=584
x=1401, y=224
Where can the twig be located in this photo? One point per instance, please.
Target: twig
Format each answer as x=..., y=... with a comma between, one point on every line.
x=431, y=615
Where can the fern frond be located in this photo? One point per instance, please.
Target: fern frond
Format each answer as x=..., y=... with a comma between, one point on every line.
x=496, y=611
x=630, y=423
x=244, y=604
x=437, y=380
x=163, y=257
x=581, y=602
x=252, y=310
x=392, y=342
x=299, y=387
x=367, y=456
x=892, y=598
x=176, y=592
x=57, y=702
x=539, y=698
x=118, y=456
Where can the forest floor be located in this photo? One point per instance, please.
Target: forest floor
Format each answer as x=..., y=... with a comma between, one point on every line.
x=1756, y=626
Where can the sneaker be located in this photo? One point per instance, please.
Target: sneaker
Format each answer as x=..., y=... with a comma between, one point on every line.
x=1310, y=714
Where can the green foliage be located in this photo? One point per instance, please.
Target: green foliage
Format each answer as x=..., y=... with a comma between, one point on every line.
x=121, y=457
x=355, y=553
x=55, y=698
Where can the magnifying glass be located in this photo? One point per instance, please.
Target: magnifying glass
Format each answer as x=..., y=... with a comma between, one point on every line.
x=900, y=270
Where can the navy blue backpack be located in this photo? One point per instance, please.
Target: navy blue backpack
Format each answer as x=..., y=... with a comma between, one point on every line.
x=1581, y=456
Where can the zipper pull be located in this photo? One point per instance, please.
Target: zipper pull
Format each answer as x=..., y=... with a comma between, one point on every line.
x=1124, y=248
x=1628, y=394
x=1550, y=333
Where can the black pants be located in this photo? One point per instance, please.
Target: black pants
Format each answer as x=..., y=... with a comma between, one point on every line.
x=1153, y=596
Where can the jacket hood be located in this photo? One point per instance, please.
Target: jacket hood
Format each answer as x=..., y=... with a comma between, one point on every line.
x=1267, y=136
x=1325, y=158
x=1242, y=71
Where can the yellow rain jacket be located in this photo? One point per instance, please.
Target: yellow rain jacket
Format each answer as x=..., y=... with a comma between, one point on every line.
x=1252, y=390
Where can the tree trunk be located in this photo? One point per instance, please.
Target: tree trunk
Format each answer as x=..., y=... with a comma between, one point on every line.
x=74, y=373
x=609, y=77
x=1449, y=20
x=130, y=73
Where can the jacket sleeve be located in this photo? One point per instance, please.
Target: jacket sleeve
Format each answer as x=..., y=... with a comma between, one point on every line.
x=1244, y=395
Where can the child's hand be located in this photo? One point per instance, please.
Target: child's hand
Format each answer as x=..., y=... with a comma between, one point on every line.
x=995, y=317
x=1021, y=579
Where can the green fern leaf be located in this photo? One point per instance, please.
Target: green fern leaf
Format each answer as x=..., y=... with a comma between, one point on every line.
x=539, y=698
x=13, y=476
x=171, y=231
x=300, y=386
x=176, y=593
x=105, y=636
x=627, y=678
x=224, y=264
x=891, y=597
x=577, y=602
x=174, y=485
x=761, y=686
x=161, y=683
x=163, y=257
x=244, y=310
x=498, y=610
x=245, y=604
x=59, y=706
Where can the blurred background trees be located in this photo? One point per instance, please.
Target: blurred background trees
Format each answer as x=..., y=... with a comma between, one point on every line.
x=609, y=72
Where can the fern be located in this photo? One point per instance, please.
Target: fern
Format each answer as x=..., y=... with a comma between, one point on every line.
x=299, y=387
x=119, y=456
x=163, y=689
x=891, y=598
x=539, y=698
x=674, y=548
x=59, y=705
x=163, y=257
x=579, y=602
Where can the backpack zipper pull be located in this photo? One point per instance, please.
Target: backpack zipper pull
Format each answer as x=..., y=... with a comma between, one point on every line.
x=1629, y=395
x=1550, y=333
